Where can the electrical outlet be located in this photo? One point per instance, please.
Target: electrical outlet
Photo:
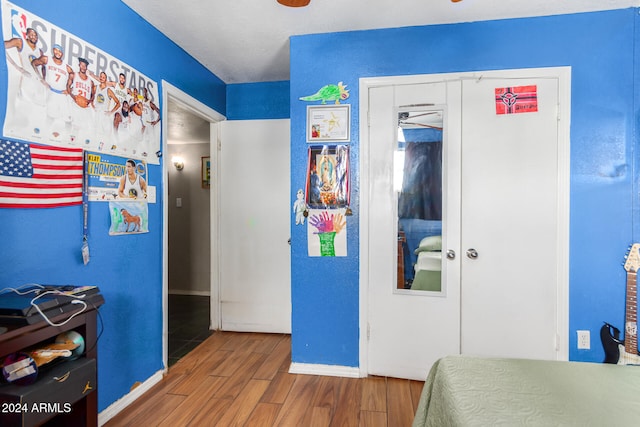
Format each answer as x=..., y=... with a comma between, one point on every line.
x=584, y=340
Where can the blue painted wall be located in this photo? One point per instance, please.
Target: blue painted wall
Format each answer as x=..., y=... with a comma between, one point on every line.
x=43, y=245
x=600, y=47
x=258, y=101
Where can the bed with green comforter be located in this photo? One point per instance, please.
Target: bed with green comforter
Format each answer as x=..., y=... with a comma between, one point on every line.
x=474, y=391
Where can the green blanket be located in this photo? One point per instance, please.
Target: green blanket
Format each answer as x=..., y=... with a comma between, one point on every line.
x=473, y=391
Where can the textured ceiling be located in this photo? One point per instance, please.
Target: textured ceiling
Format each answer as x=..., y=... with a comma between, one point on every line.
x=244, y=41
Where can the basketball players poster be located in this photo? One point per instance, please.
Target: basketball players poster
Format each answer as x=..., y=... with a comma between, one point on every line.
x=64, y=91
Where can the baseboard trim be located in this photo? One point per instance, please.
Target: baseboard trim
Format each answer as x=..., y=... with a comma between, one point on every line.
x=255, y=327
x=326, y=370
x=189, y=292
x=119, y=405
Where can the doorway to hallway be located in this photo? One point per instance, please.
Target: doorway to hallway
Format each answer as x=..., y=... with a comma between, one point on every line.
x=190, y=269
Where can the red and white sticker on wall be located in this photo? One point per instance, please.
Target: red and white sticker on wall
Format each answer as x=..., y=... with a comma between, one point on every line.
x=517, y=99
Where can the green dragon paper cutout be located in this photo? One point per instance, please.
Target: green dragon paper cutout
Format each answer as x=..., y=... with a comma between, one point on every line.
x=329, y=93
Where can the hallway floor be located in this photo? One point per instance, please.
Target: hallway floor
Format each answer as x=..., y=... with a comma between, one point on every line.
x=188, y=324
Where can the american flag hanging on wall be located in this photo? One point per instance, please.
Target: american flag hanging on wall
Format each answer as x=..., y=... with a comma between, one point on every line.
x=39, y=176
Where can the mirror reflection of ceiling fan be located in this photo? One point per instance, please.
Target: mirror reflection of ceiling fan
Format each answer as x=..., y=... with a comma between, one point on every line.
x=301, y=3
x=427, y=119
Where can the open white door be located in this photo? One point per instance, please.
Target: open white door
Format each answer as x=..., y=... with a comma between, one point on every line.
x=255, y=256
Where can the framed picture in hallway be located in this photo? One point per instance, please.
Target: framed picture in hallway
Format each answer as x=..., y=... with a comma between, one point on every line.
x=206, y=172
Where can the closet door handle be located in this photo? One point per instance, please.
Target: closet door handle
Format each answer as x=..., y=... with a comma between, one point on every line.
x=451, y=254
x=472, y=253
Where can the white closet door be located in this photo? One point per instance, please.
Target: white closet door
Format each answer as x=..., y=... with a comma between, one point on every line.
x=505, y=216
x=409, y=330
x=510, y=218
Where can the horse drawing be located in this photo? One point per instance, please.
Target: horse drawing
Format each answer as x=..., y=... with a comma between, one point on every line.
x=130, y=219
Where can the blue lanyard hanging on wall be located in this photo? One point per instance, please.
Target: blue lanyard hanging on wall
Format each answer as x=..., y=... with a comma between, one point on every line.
x=85, y=210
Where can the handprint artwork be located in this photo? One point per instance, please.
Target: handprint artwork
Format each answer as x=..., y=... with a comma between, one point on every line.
x=330, y=230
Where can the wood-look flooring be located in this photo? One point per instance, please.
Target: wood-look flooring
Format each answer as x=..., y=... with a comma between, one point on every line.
x=242, y=379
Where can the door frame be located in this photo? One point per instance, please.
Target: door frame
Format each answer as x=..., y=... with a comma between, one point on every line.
x=563, y=74
x=170, y=92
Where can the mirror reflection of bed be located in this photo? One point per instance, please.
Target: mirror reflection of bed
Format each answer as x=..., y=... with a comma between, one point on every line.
x=418, y=183
x=422, y=255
